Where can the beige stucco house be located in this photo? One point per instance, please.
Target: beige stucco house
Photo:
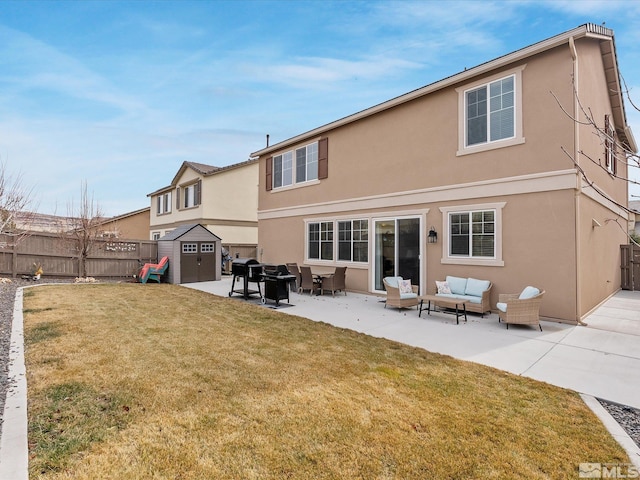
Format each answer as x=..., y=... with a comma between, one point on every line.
x=132, y=225
x=223, y=199
x=484, y=159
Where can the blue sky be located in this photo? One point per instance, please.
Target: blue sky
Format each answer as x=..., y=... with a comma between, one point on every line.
x=119, y=94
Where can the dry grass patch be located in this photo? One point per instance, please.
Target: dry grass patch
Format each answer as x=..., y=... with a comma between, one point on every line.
x=159, y=381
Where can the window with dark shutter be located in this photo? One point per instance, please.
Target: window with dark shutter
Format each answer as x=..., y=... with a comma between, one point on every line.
x=198, y=193
x=178, y=198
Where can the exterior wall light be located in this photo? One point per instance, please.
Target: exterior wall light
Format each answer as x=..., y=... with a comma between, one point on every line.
x=433, y=235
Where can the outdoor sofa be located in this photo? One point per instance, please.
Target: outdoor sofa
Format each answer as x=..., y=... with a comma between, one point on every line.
x=477, y=292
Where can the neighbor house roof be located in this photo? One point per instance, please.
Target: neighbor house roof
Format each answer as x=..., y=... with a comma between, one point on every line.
x=589, y=30
x=201, y=169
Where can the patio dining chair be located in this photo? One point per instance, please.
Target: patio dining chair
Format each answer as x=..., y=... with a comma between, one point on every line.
x=335, y=282
x=294, y=270
x=307, y=282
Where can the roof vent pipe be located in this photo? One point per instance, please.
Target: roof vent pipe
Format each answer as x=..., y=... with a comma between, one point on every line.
x=267, y=139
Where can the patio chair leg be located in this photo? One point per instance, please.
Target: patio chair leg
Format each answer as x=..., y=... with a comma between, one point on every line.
x=540, y=327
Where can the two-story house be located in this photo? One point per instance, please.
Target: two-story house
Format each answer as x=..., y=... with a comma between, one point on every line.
x=223, y=199
x=494, y=161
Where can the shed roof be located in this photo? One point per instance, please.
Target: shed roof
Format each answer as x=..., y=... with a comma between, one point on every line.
x=183, y=230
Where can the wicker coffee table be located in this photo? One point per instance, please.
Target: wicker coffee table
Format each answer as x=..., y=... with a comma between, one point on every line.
x=459, y=305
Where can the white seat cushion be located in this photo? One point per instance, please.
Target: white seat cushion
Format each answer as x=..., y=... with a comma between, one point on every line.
x=502, y=306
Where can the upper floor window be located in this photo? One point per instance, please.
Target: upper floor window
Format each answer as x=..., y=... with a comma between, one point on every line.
x=191, y=195
x=164, y=203
x=353, y=240
x=298, y=166
x=283, y=170
x=490, y=113
x=307, y=163
x=610, y=146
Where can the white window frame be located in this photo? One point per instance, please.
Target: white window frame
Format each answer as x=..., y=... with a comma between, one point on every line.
x=163, y=203
x=207, y=247
x=516, y=139
x=323, y=233
x=189, y=196
x=295, y=167
x=352, y=240
x=190, y=247
x=447, y=258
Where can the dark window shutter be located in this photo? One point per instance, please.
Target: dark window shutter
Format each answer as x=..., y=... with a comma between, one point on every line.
x=323, y=158
x=159, y=209
x=197, y=195
x=269, y=176
x=178, y=198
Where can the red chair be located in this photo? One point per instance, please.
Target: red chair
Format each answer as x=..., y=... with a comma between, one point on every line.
x=153, y=271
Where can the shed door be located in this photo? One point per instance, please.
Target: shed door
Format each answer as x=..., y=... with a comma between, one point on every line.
x=197, y=262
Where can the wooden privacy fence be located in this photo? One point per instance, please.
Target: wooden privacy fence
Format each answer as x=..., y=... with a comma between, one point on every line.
x=630, y=267
x=59, y=256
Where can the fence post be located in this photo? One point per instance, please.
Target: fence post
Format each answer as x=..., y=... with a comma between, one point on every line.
x=14, y=260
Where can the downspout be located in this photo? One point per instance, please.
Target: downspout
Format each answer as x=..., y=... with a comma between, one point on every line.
x=578, y=192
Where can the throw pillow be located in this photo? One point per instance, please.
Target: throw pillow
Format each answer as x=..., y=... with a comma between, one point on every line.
x=443, y=287
x=405, y=286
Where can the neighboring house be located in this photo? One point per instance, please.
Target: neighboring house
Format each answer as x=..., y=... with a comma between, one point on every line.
x=479, y=159
x=131, y=226
x=222, y=199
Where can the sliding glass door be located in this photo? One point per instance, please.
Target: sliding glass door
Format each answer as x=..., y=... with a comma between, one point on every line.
x=397, y=250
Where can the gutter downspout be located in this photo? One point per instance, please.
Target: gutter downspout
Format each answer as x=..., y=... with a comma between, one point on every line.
x=578, y=194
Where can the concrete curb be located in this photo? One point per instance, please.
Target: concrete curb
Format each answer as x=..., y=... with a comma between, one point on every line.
x=14, y=448
x=616, y=431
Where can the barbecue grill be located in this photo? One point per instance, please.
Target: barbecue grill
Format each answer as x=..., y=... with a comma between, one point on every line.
x=249, y=270
x=276, y=283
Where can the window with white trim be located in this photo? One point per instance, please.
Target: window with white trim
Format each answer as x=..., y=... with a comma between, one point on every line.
x=490, y=112
x=320, y=240
x=283, y=170
x=472, y=234
x=610, y=146
x=190, y=194
x=307, y=163
x=164, y=203
x=207, y=247
x=353, y=240
x=303, y=160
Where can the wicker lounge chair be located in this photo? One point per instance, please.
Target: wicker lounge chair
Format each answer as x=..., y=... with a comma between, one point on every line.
x=397, y=299
x=522, y=308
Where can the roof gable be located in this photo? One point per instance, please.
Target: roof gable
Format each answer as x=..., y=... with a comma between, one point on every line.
x=182, y=230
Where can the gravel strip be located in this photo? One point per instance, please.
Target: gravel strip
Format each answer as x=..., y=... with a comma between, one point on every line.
x=627, y=417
